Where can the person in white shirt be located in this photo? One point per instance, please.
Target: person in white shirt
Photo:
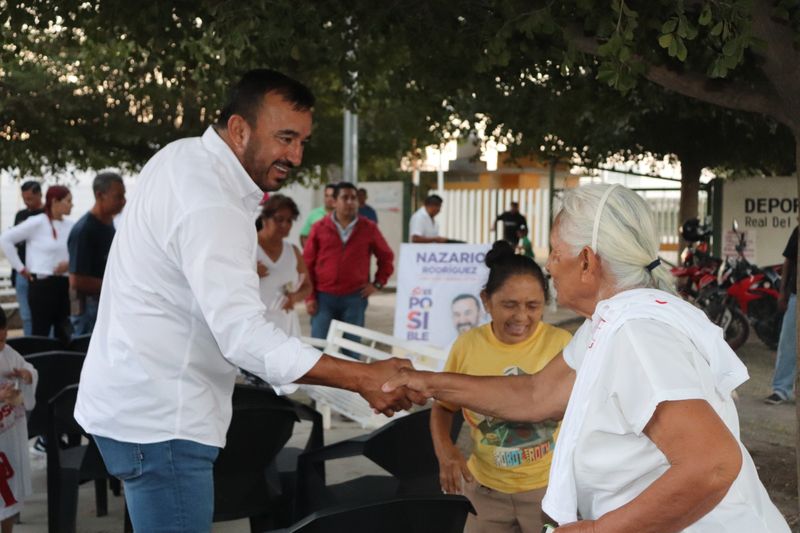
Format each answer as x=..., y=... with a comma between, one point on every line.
x=180, y=309
x=422, y=227
x=650, y=433
x=46, y=262
x=283, y=277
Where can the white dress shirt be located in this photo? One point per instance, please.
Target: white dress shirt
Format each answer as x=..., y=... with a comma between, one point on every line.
x=180, y=306
x=43, y=251
x=422, y=224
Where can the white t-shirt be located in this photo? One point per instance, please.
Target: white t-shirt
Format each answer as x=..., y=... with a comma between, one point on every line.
x=180, y=307
x=43, y=252
x=614, y=461
x=422, y=224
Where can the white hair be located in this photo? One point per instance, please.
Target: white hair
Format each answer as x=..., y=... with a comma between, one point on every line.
x=624, y=237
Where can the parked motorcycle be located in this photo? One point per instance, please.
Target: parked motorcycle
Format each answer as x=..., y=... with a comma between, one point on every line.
x=744, y=296
x=697, y=268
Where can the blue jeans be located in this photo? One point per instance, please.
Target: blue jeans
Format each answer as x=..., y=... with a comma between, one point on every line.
x=349, y=308
x=24, y=306
x=785, y=365
x=169, y=486
x=83, y=324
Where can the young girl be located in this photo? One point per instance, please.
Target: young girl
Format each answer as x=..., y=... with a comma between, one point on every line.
x=17, y=386
x=506, y=475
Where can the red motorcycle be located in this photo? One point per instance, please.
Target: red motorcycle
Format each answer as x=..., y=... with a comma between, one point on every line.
x=744, y=296
x=698, y=268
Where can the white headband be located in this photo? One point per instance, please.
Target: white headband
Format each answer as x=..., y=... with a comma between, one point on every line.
x=598, y=214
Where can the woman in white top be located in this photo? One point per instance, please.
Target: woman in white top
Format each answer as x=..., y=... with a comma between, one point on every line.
x=650, y=435
x=46, y=262
x=283, y=275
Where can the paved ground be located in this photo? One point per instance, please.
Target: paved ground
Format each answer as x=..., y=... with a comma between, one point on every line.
x=768, y=431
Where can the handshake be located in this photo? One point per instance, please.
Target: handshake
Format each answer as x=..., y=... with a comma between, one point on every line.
x=393, y=385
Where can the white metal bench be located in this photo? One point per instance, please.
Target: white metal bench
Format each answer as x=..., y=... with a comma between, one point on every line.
x=350, y=404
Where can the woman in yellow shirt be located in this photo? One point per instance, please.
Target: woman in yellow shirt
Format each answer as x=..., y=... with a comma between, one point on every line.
x=506, y=475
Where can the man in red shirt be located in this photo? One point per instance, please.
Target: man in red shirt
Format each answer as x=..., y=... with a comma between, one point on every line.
x=337, y=254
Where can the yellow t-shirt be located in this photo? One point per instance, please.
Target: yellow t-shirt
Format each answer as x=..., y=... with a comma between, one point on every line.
x=509, y=457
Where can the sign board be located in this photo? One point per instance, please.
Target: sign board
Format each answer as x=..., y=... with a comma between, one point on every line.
x=438, y=291
x=766, y=209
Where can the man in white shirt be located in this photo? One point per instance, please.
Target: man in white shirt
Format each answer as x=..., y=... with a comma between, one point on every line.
x=422, y=227
x=180, y=309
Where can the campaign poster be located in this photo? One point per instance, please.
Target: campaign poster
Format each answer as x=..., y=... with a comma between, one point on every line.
x=438, y=291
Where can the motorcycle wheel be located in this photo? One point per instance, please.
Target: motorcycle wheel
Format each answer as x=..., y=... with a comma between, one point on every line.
x=735, y=326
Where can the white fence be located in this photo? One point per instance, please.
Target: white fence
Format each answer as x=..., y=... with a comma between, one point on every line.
x=469, y=215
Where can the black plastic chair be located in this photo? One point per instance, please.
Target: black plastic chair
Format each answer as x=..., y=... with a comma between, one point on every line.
x=79, y=343
x=403, y=448
x=57, y=369
x=35, y=344
x=433, y=514
x=68, y=467
x=261, y=424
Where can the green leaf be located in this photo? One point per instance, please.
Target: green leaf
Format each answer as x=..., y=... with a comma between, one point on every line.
x=682, y=52
x=665, y=40
x=717, y=29
x=669, y=26
x=730, y=47
x=705, y=16
x=673, y=48
x=682, y=26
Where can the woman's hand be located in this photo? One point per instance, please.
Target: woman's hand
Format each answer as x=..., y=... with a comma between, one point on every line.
x=61, y=268
x=452, y=468
x=288, y=302
x=583, y=526
x=21, y=373
x=262, y=270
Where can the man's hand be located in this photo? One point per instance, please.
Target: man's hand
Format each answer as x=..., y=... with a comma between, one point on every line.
x=414, y=380
x=262, y=270
x=441, y=239
x=25, y=274
x=21, y=373
x=62, y=267
x=369, y=290
x=312, y=307
x=387, y=402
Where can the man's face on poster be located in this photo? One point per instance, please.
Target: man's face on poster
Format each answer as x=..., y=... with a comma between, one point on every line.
x=466, y=313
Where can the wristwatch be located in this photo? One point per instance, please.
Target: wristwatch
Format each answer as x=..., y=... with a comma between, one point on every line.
x=378, y=285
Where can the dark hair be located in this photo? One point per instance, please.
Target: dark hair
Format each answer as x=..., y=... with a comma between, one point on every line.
x=247, y=94
x=54, y=193
x=275, y=203
x=3, y=319
x=362, y=189
x=102, y=182
x=330, y=186
x=433, y=199
x=466, y=296
x=504, y=263
x=343, y=185
x=32, y=186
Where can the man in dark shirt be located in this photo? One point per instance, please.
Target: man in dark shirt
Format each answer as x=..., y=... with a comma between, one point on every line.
x=786, y=362
x=32, y=198
x=364, y=209
x=513, y=222
x=89, y=243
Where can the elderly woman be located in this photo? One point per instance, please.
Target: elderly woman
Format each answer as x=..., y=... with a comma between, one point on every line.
x=650, y=434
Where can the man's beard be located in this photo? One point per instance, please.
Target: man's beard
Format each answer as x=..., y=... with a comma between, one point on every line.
x=461, y=327
x=259, y=173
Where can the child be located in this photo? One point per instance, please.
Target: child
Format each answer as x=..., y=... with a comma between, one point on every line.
x=17, y=386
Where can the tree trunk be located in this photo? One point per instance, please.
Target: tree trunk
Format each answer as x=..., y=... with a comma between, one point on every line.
x=690, y=189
